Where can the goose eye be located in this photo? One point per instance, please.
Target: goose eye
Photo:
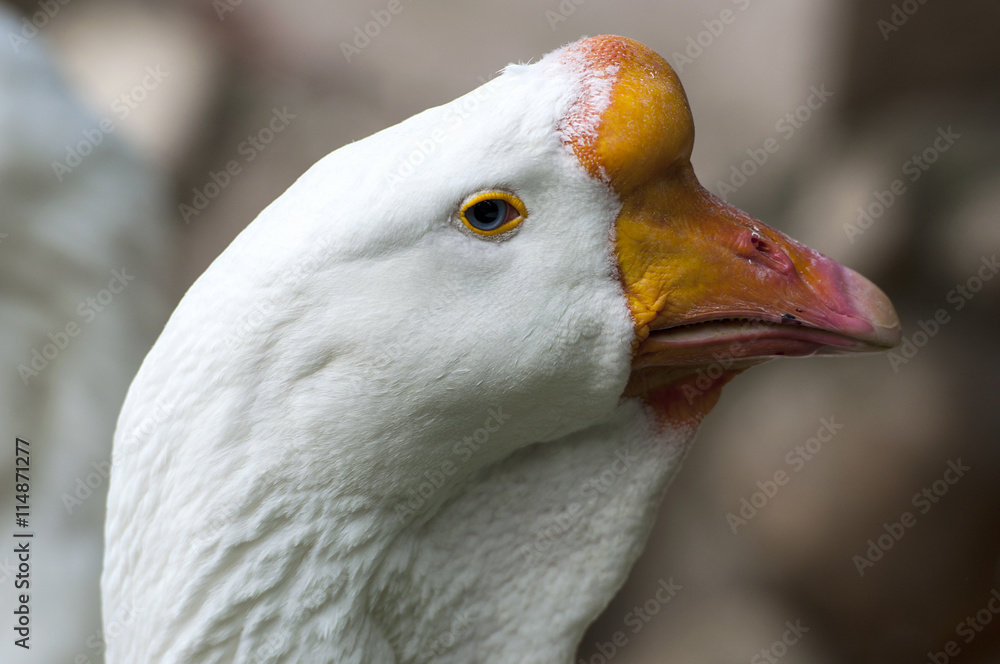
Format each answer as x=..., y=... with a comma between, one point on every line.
x=487, y=215
x=492, y=213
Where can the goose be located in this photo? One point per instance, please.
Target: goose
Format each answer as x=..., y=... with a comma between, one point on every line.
x=425, y=406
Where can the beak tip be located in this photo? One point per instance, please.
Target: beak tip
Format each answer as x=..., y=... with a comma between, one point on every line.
x=873, y=306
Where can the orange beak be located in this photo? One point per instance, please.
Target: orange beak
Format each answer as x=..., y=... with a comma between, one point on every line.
x=706, y=283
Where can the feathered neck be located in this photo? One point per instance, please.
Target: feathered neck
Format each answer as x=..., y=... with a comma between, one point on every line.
x=506, y=562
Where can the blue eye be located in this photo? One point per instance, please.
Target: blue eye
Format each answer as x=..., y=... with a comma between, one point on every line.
x=492, y=213
x=487, y=215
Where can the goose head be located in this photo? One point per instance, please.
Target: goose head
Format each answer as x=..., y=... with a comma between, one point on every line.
x=424, y=407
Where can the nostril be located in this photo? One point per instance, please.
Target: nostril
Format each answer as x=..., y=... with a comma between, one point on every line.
x=756, y=247
x=759, y=244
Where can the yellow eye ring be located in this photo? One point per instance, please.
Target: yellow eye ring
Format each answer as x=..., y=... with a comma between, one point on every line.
x=492, y=213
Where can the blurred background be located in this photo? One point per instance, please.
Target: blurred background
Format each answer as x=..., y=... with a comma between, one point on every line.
x=867, y=130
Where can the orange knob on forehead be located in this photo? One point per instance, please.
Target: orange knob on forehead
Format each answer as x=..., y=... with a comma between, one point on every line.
x=634, y=120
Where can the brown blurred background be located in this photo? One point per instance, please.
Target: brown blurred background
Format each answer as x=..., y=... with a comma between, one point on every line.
x=903, y=91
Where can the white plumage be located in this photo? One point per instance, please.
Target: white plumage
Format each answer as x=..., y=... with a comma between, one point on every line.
x=392, y=439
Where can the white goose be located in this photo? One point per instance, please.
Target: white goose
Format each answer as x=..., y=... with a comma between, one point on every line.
x=426, y=412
